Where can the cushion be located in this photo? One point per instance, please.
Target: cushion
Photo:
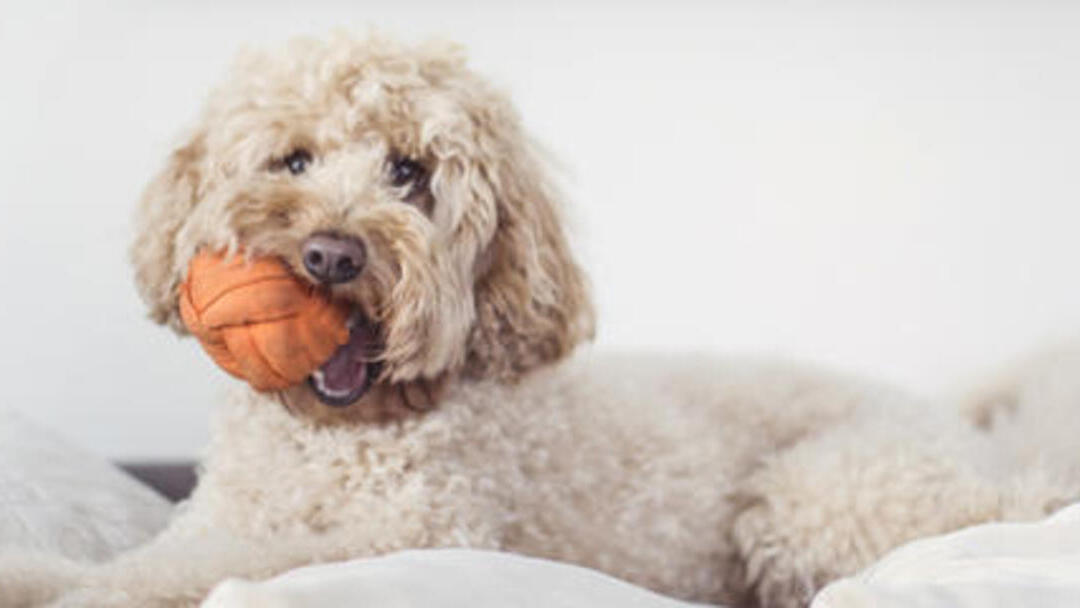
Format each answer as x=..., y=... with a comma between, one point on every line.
x=58, y=498
x=1001, y=564
x=439, y=577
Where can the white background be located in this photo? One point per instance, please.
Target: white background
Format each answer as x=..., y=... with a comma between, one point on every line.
x=891, y=190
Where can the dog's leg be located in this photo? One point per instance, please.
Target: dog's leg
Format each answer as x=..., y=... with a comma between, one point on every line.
x=34, y=579
x=196, y=552
x=180, y=571
x=836, y=502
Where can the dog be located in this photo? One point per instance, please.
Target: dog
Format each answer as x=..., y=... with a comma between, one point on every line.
x=481, y=420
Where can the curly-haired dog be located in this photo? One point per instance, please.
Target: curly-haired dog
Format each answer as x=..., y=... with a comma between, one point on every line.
x=713, y=480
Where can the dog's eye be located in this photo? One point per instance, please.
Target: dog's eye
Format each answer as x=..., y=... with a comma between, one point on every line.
x=296, y=162
x=405, y=171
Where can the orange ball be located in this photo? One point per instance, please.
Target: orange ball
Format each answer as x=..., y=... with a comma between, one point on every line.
x=258, y=321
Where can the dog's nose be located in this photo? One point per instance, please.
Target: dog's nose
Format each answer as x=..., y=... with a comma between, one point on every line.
x=331, y=258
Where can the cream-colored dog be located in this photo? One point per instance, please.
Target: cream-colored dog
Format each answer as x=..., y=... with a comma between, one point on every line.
x=471, y=424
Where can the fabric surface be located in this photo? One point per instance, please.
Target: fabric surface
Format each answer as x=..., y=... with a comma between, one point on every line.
x=57, y=498
x=439, y=578
x=988, y=566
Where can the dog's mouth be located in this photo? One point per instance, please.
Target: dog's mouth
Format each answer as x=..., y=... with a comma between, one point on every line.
x=351, y=370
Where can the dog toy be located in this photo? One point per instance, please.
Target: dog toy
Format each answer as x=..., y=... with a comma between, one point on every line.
x=258, y=321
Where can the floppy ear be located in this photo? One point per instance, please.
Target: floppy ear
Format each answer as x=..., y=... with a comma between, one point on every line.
x=532, y=301
x=166, y=203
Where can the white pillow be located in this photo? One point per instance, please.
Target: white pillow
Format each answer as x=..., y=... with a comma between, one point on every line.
x=1001, y=564
x=57, y=498
x=439, y=578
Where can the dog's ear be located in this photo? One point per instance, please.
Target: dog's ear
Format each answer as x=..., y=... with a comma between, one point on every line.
x=532, y=300
x=166, y=203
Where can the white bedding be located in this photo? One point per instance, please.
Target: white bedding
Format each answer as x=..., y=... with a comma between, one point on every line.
x=439, y=578
x=989, y=566
x=58, y=498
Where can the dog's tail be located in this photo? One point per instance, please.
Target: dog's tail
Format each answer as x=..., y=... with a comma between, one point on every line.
x=29, y=578
x=1031, y=411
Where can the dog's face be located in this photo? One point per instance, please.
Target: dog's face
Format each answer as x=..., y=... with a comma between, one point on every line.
x=394, y=178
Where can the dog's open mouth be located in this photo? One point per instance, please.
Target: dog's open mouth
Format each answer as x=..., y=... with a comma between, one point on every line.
x=351, y=370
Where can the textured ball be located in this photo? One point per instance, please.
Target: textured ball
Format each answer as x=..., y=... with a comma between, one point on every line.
x=258, y=321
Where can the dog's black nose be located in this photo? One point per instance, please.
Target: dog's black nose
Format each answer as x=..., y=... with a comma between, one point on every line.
x=331, y=258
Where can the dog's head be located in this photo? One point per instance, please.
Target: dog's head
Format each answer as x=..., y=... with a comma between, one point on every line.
x=395, y=178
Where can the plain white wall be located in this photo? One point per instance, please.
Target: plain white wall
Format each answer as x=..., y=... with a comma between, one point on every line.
x=887, y=189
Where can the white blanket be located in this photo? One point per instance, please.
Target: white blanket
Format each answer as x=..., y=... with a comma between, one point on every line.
x=439, y=578
x=56, y=497
x=989, y=566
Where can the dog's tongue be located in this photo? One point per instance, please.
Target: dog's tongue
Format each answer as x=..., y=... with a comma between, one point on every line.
x=346, y=371
x=347, y=374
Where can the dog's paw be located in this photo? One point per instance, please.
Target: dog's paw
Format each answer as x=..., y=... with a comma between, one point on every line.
x=34, y=579
x=782, y=564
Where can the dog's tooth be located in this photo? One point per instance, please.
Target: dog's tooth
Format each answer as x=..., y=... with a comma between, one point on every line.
x=320, y=385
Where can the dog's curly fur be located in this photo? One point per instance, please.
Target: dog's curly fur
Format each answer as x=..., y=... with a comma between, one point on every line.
x=713, y=480
x=475, y=278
